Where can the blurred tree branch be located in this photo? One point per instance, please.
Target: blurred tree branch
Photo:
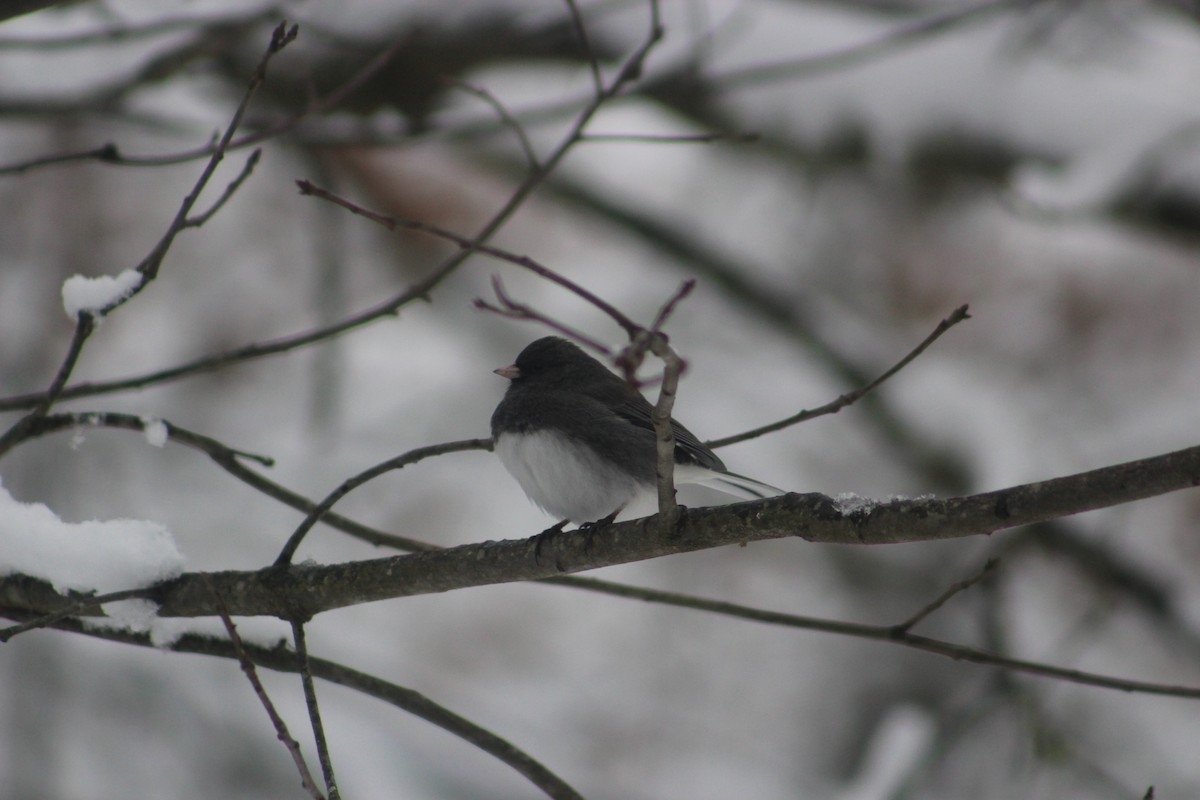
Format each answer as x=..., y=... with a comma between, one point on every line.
x=283, y=659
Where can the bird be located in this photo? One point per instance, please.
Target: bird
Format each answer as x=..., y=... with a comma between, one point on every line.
x=580, y=441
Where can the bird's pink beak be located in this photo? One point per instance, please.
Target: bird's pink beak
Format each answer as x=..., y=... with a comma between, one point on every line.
x=511, y=372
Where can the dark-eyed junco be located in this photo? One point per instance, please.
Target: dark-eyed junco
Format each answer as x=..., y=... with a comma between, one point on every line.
x=580, y=441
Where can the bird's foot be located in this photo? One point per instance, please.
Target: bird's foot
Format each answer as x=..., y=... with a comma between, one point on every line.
x=589, y=529
x=540, y=539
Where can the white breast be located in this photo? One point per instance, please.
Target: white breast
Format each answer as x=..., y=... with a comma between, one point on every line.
x=564, y=478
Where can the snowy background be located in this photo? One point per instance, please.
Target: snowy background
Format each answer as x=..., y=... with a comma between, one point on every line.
x=1039, y=161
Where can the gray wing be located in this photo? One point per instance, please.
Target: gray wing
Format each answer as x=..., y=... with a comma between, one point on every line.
x=688, y=449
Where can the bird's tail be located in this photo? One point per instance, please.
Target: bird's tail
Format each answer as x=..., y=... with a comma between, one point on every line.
x=742, y=486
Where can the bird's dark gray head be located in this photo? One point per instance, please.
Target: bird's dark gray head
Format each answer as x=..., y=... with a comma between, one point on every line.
x=553, y=358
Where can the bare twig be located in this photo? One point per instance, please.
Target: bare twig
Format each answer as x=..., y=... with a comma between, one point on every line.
x=889, y=41
x=281, y=37
x=944, y=597
x=107, y=153
x=892, y=633
x=149, y=266
x=234, y=185
x=630, y=71
x=958, y=315
x=281, y=730
x=110, y=154
x=505, y=116
x=83, y=606
x=672, y=138
x=20, y=430
x=126, y=32
x=512, y=309
x=350, y=484
x=227, y=459
x=314, y=710
x=588, y=52
x=468, y=245
x=284, y=660
x=667, y=308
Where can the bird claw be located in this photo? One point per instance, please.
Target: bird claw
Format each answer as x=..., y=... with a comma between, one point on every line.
x=540, y=539
x=589, y=529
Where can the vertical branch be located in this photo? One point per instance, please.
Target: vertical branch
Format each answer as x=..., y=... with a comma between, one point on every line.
x=589, y=53
x=314, y=711
x=281, y=731
x=664, y=436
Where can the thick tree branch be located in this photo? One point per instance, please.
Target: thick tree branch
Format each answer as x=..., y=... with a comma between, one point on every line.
x=301, y=591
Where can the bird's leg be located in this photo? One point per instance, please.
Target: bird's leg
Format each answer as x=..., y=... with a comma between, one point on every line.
x=589, y=528
x=540, y=539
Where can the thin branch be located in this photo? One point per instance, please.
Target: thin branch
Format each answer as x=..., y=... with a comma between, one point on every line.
x=506, y=118
x=310, y=189
x=339, y=95
x=673, y=138
x=281, y=730
x=891, y=40
x=314, y=710
x=227, y=459
x=85, y=323
x=283, y=659
x=944, y=597
x=234, y=185
x=80, y=607
x=512, y=309
x=588, y=52
x=149, y=266
x=111, y=34
x=882, y=633
x=468, y=245
x=110, y=154
x=631, y=70
x=350, y=484
x=667, y=308
x=281, y=37
x=107, y=153
x=896, y=634
x=958, y=315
